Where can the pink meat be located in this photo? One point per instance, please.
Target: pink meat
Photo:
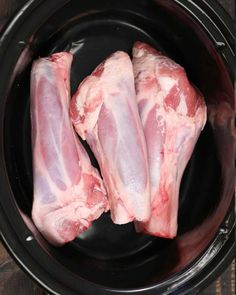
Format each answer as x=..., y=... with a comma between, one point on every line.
x=173, y=113
x=104, y=112
x=68, y=191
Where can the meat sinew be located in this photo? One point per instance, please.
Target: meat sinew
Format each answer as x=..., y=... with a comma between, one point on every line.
x=68, y=191
x=173, y=113
x=104, y=112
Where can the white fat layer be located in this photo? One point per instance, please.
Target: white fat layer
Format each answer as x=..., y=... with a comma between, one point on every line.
x=182, y=107
x=137, y=53
x=86, y=94
x=166, y=83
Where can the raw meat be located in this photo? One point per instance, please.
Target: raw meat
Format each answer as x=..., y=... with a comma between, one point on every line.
x=68, y=191
x=173, y=113
x=105, y=113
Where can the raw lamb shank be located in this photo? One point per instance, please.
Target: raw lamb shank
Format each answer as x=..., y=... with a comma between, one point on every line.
x=68, y=191
x=105, y=113
x=173, y=113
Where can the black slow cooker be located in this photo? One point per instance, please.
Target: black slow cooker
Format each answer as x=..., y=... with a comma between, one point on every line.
x=111, y=259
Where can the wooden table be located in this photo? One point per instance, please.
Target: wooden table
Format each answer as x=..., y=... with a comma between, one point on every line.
x=14, y=281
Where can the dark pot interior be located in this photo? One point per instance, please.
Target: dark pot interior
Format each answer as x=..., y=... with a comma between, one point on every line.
x=108, y=258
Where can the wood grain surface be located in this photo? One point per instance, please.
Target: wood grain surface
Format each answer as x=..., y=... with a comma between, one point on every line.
x=14, y=281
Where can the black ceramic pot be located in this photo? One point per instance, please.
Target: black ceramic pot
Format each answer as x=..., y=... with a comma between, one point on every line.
x=110, y=259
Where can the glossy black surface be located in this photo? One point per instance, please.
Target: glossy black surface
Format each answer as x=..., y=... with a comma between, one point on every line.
x=115, y=257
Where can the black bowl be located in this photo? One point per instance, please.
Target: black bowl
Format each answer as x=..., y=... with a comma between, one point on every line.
x=111, y=259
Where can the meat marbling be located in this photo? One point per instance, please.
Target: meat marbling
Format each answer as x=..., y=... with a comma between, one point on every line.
x=105, y=113
x=173, y=113
x=68, y=191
